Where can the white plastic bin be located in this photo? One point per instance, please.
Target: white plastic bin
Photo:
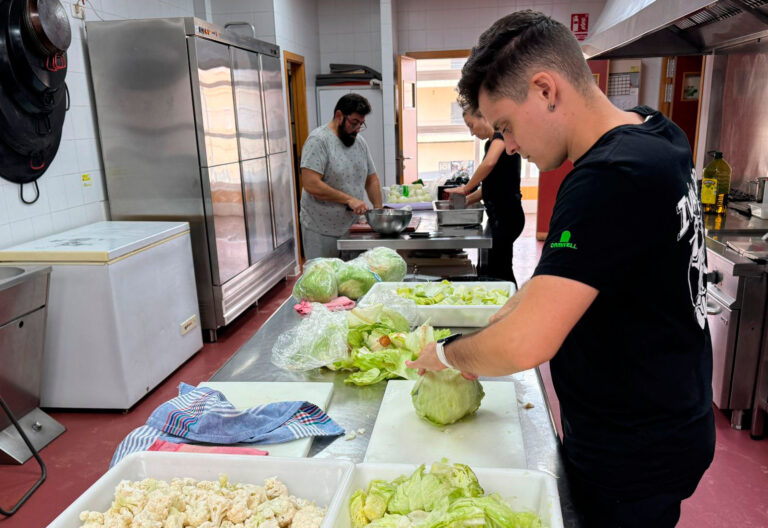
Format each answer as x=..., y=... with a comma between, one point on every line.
x=466, y=316
x=321, y=480
x=522, y=489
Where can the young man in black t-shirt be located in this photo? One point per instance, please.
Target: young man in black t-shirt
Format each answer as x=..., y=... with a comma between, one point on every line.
x=617, y=302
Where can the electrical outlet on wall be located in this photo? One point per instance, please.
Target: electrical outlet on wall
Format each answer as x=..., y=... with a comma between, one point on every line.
x=78, y=9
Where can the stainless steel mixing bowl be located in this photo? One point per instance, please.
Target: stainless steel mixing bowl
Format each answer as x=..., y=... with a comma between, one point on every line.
x=388, y=221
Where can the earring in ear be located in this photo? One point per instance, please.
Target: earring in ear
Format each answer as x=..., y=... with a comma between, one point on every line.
x=551, y=107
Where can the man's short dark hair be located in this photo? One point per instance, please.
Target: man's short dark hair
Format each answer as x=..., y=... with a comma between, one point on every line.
x=353, y=104
x=508, y=53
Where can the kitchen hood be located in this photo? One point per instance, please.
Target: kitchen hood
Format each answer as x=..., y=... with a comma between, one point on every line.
x=631, y=29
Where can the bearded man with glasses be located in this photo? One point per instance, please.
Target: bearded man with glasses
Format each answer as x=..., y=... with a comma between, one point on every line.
x=337, y=172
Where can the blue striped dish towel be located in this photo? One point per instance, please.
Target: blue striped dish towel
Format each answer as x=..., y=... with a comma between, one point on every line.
x=202, y=415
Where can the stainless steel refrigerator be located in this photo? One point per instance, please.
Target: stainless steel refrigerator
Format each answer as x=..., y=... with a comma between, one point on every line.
x=192, y=124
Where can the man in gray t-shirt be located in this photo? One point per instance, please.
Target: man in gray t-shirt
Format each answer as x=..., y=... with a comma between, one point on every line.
x=336, y=171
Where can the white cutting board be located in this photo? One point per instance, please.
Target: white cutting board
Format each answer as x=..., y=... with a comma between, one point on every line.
x=245, y=394
x=489, y=438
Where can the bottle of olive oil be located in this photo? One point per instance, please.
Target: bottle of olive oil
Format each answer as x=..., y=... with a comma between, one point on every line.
x=715, y=185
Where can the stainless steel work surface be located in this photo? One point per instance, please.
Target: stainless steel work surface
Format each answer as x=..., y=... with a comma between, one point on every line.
x=356, y=408
x=471, y=238
x=734, y=223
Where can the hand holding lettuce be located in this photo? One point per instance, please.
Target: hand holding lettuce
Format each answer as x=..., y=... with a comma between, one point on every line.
x=444, y=397
x=373, y=343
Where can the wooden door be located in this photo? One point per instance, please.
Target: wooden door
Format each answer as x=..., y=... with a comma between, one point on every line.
x=296, y=88
x=408, y=166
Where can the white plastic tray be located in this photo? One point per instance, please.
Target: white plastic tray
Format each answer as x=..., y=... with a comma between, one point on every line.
x=321, y=480
x=447, y=315
x=522, y=489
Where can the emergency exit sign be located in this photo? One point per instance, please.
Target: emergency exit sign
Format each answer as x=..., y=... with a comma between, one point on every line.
x=580, y=25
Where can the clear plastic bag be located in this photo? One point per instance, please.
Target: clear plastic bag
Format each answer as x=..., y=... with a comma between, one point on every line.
x=386, y=263
x=319, y=340
x=355, y=278
x=318, y=282
x=406, y=307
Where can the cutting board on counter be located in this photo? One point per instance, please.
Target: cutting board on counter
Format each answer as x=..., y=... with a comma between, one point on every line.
x=245, y=394
x=492, y=437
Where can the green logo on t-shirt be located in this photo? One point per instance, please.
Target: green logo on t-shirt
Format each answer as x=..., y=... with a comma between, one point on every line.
x=565, y=241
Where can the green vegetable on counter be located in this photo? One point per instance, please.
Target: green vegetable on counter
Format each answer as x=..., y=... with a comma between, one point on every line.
x=447, y=496
x=447, y=293
x=380, y=342
x=445, y=397
x=386, y=263
x=355, y=279
x=317, y=284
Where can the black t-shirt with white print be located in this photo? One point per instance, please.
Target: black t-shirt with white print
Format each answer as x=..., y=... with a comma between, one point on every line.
x=634, y=375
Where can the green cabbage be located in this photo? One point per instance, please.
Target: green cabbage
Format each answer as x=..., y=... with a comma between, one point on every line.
x=355, y=279
x=386, y=263
x=449, y=496
x=317, y=284
x=446, y=292
x=445, y=397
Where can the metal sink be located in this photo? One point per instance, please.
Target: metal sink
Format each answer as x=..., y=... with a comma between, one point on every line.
x=23, y=304
x=9, y=272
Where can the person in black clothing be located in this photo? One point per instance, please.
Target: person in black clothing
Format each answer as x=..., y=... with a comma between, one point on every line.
x=631, y=360
x=499, y=174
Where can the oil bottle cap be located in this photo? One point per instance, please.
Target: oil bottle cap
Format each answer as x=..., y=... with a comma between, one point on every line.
x=718, y=154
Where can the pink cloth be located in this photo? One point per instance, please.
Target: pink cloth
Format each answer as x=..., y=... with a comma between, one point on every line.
x=339, y=303
x=162, y=445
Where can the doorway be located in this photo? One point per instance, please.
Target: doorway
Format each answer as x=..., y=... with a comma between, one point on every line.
x=296, y=86
x=679, y=94
x=440, y=143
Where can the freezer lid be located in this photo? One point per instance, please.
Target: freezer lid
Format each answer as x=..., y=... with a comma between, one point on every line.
x=94, y=243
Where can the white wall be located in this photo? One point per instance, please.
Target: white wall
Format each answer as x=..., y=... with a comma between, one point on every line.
x=429, y=25
x=260, y=13
x=65, y=200
x=350, y=33
x=297, y=30
x=389, y=34
x=650, y=82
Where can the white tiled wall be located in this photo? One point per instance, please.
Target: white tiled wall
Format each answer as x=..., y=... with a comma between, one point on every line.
x=66, y=200
x=260, y=13
x=389, y=36
x=428, y=25
x=297, y=30
x=350, y=33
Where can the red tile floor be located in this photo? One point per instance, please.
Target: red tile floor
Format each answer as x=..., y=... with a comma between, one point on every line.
x=734, y=492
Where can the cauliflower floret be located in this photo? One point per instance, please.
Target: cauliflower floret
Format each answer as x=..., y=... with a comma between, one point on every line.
x=257, y=495
x=308, y=517
x=275, y=488
x=218, y=505
x=146, y=519
x=92, y=519
x=299, y=502
x=238, y=511
x=187, y=503
x=197, y=514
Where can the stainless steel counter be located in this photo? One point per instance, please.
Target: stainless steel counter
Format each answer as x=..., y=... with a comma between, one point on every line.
x=357, y=407
x=470, y=238
x=734, y=223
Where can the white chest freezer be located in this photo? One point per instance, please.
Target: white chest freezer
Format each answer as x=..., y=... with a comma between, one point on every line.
x=122, y=311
